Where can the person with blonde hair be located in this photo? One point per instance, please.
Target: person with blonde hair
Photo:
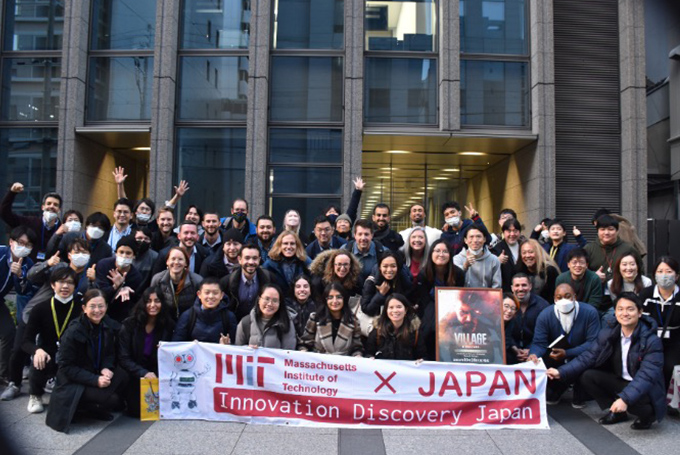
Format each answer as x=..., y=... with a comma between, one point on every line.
x=287, y=260
x=415, y=251
x=539, y=267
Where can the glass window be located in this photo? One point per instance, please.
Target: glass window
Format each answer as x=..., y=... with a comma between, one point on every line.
x=30, y=89
x=119, y=88
x=213, y=161
x=306, y=89
x=494, y=93
x=123, y=24
x=309, y=24
x=216, y=24
x=29, y=156
x=493, y=27
x=289, y=145
x=308, y=208
x=397, y=25
x=401, y=90
x=307, y=180
x=33, y=25
x=213, y=88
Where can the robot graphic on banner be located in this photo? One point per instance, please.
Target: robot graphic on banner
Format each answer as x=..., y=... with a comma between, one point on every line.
x=183, y=381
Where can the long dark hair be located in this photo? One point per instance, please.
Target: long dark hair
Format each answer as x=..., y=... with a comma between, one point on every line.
x=323, y=316
x=617, y=278
x=281, y=320
x=140, y=316
x=431, y=273
x=397, y=284
x=385, y=326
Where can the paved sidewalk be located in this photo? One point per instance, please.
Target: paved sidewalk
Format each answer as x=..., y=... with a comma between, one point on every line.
x=572, y=432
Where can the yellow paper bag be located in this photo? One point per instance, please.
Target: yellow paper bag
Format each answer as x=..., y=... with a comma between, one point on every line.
x=148, y=399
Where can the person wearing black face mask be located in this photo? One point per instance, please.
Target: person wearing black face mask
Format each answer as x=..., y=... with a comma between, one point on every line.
x=146, y=257
x=239, y=220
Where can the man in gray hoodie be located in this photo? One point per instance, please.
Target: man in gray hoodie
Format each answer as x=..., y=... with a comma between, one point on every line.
x=482, y=268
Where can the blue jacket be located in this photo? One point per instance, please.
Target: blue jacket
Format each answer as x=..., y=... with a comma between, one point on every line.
x=279, y=277
x=208, y=325
x=582, y=334
x=313, y=249
x=9, y=282
x=251, y=230
x=524, y=323
x=645, y=362
x=563, y=250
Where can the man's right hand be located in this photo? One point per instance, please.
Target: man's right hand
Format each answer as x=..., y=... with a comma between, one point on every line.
x=17, y=187
x=103, y=382
x=40, y=359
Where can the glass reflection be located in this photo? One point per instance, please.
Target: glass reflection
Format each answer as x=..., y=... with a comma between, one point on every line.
x=30, y=89
x=216, y=24
x=493, y=26
x=401, y=26
x=309, y=24
x=123, y=24
x=120, y=88
x=293, y=145
x=33, y=25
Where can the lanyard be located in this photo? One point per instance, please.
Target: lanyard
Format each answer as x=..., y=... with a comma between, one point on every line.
x=609, y=259
x=56, y=322
x=553, y=251
x=670, y=314
x=98, y=354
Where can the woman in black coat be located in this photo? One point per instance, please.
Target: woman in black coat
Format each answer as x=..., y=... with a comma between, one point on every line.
x=88, y=378
x=150, y=322
x=639, y=388
x=391, y=277
x=397, y=333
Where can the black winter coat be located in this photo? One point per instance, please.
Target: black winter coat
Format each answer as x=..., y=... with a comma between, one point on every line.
x=80, y=363
x=131, y=347
x=388, y=346
x=208, y=325
x=645, y=362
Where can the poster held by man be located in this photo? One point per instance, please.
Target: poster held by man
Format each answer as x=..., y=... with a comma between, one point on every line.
x=470, y=325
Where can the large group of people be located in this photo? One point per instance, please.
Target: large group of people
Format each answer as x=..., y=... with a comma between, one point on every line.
x=95, y=298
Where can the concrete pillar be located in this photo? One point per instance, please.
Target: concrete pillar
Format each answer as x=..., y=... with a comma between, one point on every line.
x=354, y=95
x=674, y=94
x=449, y=65
x=72, y=181
x=258, y=101
x=633, y=114
x=161, y=156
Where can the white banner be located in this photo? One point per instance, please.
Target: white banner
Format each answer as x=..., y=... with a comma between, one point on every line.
x=272, y=386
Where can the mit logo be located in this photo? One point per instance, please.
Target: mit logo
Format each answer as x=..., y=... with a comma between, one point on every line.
x=234, y=364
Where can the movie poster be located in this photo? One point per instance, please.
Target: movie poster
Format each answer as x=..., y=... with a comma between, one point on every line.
x=470, y=325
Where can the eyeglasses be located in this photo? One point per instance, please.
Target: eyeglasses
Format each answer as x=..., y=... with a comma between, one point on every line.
x=343, y=265
x=269, y=301
x=24, y=244
x=324, y=230
x=440, y=252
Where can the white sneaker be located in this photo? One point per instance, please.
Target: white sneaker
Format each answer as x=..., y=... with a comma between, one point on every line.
x=35, y=404
x=10, y=393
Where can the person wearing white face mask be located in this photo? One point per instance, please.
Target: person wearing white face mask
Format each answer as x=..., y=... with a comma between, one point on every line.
x=72, y=222
x=120, y=281
x=661, y=303
x=482, y=269
x=578, y=323
x=44, y=225
x=14, y=265
x=97, y=224
x=455, y=227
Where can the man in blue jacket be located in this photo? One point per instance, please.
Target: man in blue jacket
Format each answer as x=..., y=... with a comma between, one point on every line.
x=623, y=369
x=578, y=323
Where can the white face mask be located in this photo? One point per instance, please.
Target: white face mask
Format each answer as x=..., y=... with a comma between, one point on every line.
x=61, y=299
x=477, y=252
x=545, y=235
x=123, y=262
x=565, y=306
x=73, y=226
x=663, y=280
x=453, y=221
x=21, y=251
x=80, y=259
x=95, y=232
x=143, y=217
x=48, y=216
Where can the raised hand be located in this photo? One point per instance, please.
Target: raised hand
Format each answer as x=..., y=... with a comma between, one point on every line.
x=472, y=213
x=17, y=187
x=15, y=268
x=116, y=278
x=91, y=273
x=359, y=184
x=119, y=175
x=182, y=188
x=576, y=231
x=54, y=260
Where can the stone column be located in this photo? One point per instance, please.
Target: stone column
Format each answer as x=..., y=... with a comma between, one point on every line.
x=161, y=156
x=633, y=114
x=449, y=65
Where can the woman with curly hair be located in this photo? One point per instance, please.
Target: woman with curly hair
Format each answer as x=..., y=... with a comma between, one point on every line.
x=339, y=266
x=397, y=334
x=287, y=260
x=540, y=267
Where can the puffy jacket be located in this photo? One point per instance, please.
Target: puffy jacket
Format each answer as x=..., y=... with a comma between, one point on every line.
x=186, y=297
x=249, y=333
x=645, y=362
x=208, y=324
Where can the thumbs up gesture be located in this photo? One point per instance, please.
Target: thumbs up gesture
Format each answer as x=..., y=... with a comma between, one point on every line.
x=601, y=274
x=91, y=273
x=15, y=268
x=54, y=260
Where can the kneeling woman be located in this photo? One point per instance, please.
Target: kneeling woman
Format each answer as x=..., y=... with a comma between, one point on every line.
x=87, y=377
x=396, y=336
x=268, y=325
x=623, y=370
x=151, y=322
x=333, y=329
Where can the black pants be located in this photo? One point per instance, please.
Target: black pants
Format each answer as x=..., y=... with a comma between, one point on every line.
x=555, y=389
x=604, y=387
x=6, y=343
x=108, y=398
x=19, y=358
x=38, y=378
